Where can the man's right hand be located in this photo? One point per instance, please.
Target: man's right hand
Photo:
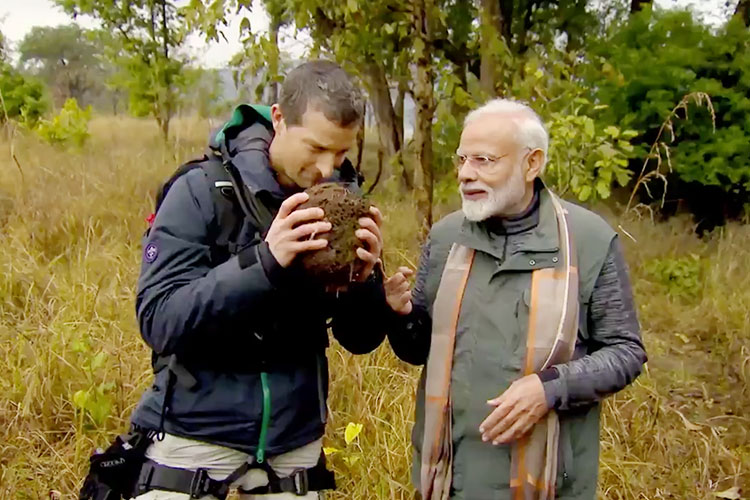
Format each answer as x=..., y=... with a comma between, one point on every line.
x=398, y=291
x=292, y=231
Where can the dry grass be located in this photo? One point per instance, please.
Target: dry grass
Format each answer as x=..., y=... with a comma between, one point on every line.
x=70, y=230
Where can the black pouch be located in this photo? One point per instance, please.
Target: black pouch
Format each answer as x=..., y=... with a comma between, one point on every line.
x=113, y=474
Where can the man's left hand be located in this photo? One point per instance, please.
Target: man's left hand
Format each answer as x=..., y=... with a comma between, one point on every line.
x=372, y=239
x=516, y=411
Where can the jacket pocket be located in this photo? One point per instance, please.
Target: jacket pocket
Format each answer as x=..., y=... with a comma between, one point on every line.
x=523, y=310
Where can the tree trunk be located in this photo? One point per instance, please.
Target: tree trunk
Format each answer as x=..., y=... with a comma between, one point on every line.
x=525, y=27
x=506, y=19
x=385, y=115
x=489, y=17
x=165, y=129
x=163, y=126
x=743, y=11
x=637, y=5
x=406, y=174
x=168, y=96
x=78, y=88
x=399, y=109
x=164, y=29
x=424, y=102
x=360, y=146
x=380, y=171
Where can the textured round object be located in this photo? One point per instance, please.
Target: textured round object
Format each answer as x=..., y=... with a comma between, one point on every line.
x=337, y=264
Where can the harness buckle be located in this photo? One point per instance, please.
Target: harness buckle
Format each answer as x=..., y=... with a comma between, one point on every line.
x=300, y=481
x=200, y=485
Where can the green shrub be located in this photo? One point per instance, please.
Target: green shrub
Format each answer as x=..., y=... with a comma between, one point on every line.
x=681, y=277
x=23, y=99
x=69, y=128
x=648, y=65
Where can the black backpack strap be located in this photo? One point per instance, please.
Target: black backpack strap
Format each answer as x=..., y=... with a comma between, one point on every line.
x=181, y=170
x=235, y=205
x=229, y=214
x=255, y=211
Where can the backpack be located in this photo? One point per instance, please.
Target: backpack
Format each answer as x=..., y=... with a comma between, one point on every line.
x=233, y=202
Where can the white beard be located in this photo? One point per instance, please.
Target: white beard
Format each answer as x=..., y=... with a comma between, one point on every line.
x=498, y=200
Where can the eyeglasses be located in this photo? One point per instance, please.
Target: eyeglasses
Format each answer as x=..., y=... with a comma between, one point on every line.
x=480, y=162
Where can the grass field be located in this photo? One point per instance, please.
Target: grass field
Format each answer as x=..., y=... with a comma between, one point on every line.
x=73, y=364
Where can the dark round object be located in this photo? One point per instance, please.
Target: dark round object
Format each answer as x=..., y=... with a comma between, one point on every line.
x=336, y=265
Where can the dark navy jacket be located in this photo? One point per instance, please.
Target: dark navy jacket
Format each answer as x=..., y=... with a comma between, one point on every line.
x=226, y=322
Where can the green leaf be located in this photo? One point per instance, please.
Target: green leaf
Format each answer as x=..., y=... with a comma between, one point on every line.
x=585, y=193
x=589, y=128
x=352, y=5
x=80, y=399
x=621, y=161
x=607, y=151
x=105, y=387
x=463, y=98
x=612, y=131
x=625, y=146
x=79, y=346
x=100, y=409
x=351, y=432
x=623, y=177
x=98, y=361
x=602, y=189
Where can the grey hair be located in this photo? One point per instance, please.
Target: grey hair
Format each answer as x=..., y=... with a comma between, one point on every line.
x=531, y=132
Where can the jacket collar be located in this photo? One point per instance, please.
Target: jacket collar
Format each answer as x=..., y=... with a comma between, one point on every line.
x=250, y=154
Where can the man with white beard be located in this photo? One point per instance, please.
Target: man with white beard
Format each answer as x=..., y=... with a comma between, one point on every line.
x=523, y=316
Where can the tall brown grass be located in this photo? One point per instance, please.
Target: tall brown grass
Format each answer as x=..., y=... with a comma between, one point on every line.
x=70, y=228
